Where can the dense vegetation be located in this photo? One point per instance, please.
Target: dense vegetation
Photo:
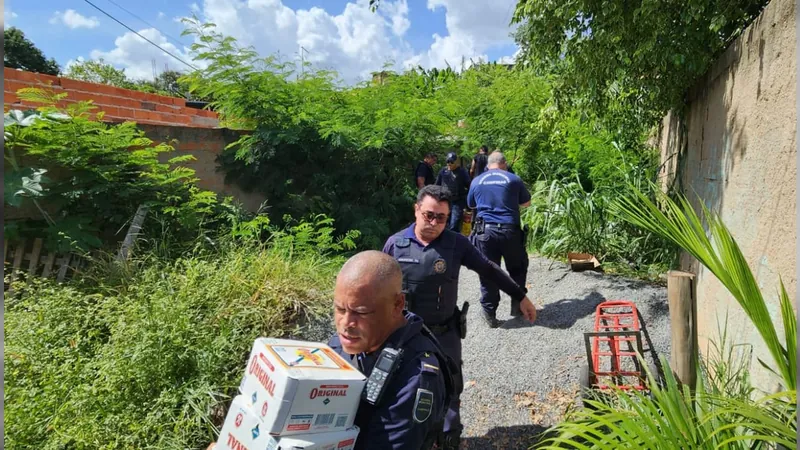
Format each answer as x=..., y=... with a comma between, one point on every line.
x=319, y=148
x=148, y=354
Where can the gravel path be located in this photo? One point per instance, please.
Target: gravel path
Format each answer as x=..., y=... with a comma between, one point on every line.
x=520, y=377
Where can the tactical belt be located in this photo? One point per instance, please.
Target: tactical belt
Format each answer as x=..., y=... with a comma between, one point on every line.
x=445, y=326
x=502, y=226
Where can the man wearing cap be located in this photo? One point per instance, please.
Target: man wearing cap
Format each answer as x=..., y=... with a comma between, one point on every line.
x=497, y=233
x=431, y=258
x=456, y=179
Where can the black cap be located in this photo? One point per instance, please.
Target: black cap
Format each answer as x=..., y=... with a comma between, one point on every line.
x=451, y=157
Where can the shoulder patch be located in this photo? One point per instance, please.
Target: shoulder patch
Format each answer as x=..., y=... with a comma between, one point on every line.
x=423, y=406
x=402, y=242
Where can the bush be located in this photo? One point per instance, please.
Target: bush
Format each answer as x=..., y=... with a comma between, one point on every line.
x=148, y=354
x=86, y=178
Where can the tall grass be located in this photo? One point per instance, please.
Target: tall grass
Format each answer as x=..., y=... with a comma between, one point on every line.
x=564, y=217
x=147, y=355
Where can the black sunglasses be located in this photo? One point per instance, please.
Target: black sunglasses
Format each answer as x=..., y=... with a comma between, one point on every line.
x=429, y=216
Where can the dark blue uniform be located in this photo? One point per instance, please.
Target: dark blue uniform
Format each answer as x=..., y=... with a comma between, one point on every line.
x=457, y=182
x=404, y=419
x=496, y=195
x=425, y=171
x=430, y=282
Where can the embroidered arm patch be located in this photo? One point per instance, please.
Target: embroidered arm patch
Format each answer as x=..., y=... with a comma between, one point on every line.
x=423, y=405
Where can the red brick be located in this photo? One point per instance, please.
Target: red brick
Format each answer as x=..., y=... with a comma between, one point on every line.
x=31, y=77
x=168, y=108
x=207, y=113
x=10, y=97
x=77, y=85
x=136, y=95
x=14, y=86
x=110, y=110
x=126, y=112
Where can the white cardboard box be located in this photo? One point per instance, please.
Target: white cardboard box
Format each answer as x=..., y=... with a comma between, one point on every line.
x=243, y=430
x=299, y=387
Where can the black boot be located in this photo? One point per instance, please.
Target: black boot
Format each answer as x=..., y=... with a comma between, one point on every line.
x=490, y=319
x=452, y=440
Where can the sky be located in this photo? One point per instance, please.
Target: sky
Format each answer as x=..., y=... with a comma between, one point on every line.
x=333, y=34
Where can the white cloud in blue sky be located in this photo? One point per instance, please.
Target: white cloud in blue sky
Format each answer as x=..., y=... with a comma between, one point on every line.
x=73, y=20
x=334, y=34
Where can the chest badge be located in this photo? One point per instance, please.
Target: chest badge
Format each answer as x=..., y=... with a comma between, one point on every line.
x=439, y=266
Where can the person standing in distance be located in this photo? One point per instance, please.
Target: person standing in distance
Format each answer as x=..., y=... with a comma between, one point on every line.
x=369, y=316
x=431, y=258
x=423, y=174
x=479, y=162
x=497, y=233
x=456, y=179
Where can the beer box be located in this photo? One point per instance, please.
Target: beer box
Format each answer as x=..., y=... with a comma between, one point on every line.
x=299, y=387
x=243, y=430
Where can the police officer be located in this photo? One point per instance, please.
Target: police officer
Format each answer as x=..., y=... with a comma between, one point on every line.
x=423, y=174
x=369, y=315
x=456, y=179
x=431, y=258
x=497, y=232
x=479, y=162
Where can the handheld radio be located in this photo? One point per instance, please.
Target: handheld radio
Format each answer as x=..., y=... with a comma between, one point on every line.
x=381, y=374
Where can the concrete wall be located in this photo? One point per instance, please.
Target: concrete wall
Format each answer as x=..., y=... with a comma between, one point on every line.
x=162, y=118
x=735, y=148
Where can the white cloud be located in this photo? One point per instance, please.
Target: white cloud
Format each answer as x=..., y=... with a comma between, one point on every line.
x=473, y=27
x=161, y=15
x=8, y=15
x=398, y=13
x=354, y=42
x=510, y=59
x=74, y=19
x=136, y=55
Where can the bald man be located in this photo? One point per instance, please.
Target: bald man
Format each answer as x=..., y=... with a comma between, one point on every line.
x=369, y=315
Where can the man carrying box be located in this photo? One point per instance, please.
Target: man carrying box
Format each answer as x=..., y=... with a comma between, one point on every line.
x=370, y=318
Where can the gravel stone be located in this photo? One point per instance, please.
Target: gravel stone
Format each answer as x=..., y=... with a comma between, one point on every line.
x=543, y=357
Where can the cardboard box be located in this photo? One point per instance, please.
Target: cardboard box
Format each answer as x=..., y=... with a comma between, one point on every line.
x=298, y=387
x=243, y=430
x=582, y=261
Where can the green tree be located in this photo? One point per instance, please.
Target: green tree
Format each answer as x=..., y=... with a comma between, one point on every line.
x=98, y=71
x=20, y=53
x=632, y=59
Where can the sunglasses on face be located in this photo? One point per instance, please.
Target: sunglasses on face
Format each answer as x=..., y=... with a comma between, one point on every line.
x=429, y=216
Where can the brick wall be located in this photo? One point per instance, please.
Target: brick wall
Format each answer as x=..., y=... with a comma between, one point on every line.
x=163, y=119
x=118, y=104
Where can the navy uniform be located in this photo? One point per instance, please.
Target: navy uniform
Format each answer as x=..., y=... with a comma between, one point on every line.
x=457, y=182
x=497, y=232
x=411, y=413
x=430, y=282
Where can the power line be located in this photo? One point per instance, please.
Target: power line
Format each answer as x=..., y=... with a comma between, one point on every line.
x=137, y=33
x=177, y=41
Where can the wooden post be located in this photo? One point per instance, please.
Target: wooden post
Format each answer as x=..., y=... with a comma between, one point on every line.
x=133, y=232
x=683, y=326
x=34, y=257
